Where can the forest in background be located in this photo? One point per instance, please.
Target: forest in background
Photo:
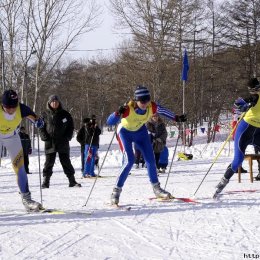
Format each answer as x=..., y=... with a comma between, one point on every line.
x=221, y=39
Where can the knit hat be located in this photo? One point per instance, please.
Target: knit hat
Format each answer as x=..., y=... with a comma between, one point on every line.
x=10, y=99
x=142, y=94
x=52, y=98
x=86, y=120
x=253, y=85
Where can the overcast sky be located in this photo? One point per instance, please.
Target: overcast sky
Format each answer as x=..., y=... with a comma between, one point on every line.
x=102, y=38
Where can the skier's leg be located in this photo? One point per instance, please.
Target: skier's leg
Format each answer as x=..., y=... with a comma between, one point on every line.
x=14, y=148
x=92, y=163
x=125, y=140
x=243, y=137
x=128, y=154
x=88, y=157
x=147, y=151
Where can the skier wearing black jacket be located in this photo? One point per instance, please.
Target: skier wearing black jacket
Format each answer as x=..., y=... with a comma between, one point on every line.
x=56, y=133
x=92, y=133
x=81, y=136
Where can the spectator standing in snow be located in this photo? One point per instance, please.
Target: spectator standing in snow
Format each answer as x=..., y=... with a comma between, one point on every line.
x=163, y=160
x=131, y=130
x=92, y=133
x=12, y=113
x=138, y=157
x=27, y=148
x=81, y=136
x=248, y=131
x=56, y=134
x=159, y=134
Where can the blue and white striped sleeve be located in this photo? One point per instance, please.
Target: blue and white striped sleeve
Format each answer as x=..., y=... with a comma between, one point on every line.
x=162, y=111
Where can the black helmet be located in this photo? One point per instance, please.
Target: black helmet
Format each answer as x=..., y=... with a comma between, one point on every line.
x=10, y=99
x=253, y=85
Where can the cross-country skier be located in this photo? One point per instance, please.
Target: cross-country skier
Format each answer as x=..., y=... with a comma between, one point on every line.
x=131, y=130
x=11, y=115
x=247, y=133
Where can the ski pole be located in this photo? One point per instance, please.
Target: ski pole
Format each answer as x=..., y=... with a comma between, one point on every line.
x=219, y=152
x=174, y=152
x=1, y=154
x=94, y=183
x=40, y=179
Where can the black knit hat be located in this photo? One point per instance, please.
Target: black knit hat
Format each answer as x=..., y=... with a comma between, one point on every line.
x=86, y=120
x=253, y=85
x=10, y=99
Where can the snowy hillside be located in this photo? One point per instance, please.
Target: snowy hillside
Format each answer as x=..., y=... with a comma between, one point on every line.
x=225, y=229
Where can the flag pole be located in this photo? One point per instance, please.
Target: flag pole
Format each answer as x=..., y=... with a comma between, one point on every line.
x=183, y=111
x=185, y=70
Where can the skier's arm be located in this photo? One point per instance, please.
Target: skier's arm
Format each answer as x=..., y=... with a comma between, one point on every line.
x=26, y=112
x=244, y=104
x=168, y=114
x=115, y=117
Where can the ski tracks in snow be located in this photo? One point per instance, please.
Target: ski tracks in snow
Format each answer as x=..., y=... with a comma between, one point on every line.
x=58, y=245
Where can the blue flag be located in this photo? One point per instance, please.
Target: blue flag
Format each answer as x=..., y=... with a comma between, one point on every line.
x=185, y=68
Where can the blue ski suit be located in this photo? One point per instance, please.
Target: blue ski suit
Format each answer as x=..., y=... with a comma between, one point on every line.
x=131, y=130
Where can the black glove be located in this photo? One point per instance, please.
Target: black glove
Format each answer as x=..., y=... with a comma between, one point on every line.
x=121, y=110
x=181, y=118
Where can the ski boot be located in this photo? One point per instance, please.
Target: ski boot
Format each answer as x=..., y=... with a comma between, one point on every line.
x=222, y=184
x=46, y=182
x=29, y=204
x=257, y=178
x=115, y=195
x=72, y=182
x=161, y=193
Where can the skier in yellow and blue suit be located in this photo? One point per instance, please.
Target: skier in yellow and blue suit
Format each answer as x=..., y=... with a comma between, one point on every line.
x=11, y=114
x=247, y=133
x=131, y=130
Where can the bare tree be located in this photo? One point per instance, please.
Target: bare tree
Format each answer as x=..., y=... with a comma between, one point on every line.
x=55, y=26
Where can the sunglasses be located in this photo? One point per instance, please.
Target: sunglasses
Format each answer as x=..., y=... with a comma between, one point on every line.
x=9, y=107
x=144, y=101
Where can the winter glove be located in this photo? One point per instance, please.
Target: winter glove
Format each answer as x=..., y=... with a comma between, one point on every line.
x=39, y=123
x=181, y=118
x=30, y=151
x=241, y=105
x=121, y=110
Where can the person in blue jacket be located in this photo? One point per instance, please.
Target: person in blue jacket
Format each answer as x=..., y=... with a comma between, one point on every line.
x=11, y=114
x=131, y=130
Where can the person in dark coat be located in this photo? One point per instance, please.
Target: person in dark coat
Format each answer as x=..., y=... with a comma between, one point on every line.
x=27, y=147
x=92, y=133
x=81, y=136
x=56, y=133
x=158, y=132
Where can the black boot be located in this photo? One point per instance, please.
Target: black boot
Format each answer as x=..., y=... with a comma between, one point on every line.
x=242, y=170
x=46, y=182
x=72, y=182
x=257, y=178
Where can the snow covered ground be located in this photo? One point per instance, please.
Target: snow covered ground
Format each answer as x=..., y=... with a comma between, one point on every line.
x=225, y=229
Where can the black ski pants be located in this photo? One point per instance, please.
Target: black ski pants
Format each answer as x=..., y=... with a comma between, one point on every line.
x=64, y=160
